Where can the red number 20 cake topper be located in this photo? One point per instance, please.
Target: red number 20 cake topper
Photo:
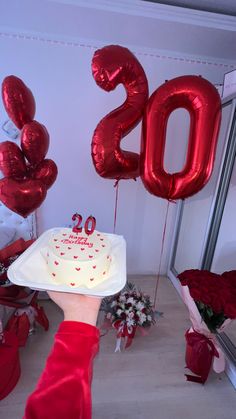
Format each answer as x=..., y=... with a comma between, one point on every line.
x=89, y=226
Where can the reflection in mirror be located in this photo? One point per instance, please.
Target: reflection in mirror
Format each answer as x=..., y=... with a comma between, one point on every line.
x=225, y=252
x=196, y=211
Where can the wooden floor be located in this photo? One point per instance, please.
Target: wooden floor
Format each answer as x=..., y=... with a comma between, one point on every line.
x=144, y=382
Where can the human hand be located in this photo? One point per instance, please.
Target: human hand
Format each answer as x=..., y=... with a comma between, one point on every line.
x=77, y=307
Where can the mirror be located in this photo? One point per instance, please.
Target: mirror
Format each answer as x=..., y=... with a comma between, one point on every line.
x=224, y=258
x=205, y=231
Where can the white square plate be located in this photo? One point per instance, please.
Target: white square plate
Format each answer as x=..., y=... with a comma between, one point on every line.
x=30, y=269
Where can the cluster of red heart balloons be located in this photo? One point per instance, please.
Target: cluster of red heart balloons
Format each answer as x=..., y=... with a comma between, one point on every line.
x=113, y=65
x=28, y=175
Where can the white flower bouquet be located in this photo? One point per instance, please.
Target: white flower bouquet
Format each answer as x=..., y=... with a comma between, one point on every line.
x=127, y=312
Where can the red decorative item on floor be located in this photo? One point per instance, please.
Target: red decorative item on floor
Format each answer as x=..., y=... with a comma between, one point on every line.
x=113, y=65
x=18, y=101
x=201, y=99
x=21, y=313
x=9, y=363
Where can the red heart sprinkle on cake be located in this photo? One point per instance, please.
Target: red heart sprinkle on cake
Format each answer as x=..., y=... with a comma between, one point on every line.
x=76, y=257
x=82, y=248
x=57, y=247
x=101, y=240
x=69, y=248
x=56, y=263
x=62, y=253
x=72, y=284
x=90, y=257
x=78, y=269
x=64, y=234
x=94, y=267
x=96, y=250
x=55, y=240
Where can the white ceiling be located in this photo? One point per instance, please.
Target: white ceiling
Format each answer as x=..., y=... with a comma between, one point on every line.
x=227, y=7
x=98, y=22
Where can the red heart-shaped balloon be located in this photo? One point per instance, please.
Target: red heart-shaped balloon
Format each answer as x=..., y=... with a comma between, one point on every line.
x=46, y=172
x=22, y=196
x=18, y=101
x=12, y=162
x=34, y=142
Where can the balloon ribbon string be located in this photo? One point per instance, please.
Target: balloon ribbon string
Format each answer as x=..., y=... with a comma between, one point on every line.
x=116, y=185
x=162, y=248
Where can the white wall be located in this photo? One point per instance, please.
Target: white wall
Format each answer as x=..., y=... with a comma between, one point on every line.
x=70, y=105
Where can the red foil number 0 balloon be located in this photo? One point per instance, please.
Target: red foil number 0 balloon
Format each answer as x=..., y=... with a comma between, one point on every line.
x=200, y=98
x=111, y=66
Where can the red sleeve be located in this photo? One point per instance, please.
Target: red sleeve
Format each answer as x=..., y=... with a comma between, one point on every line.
x=63, y=390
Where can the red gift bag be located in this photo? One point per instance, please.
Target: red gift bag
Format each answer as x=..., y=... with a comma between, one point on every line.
x=200, y=351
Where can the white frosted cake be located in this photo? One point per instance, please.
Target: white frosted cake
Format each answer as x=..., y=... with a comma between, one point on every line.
x=78, y=259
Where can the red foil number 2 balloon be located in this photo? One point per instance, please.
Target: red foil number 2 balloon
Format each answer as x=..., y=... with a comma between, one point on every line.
x=200, y=98
x=111, y=66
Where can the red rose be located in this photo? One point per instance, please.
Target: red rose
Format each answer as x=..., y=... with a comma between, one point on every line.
x=230, y=310
x=206, y=299
x=188, y=276
x=196, y=294
x=216, y=304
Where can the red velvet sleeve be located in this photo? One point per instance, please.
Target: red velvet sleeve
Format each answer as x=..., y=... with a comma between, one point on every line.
x=63, y=390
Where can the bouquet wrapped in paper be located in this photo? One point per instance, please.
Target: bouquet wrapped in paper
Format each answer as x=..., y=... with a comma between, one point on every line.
x=211, y=301
x=127, y=312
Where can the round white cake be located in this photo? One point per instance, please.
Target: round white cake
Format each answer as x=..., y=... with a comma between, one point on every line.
x=78, y=259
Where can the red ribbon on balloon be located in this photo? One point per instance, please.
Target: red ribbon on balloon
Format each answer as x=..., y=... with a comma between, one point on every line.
x=25, y=185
